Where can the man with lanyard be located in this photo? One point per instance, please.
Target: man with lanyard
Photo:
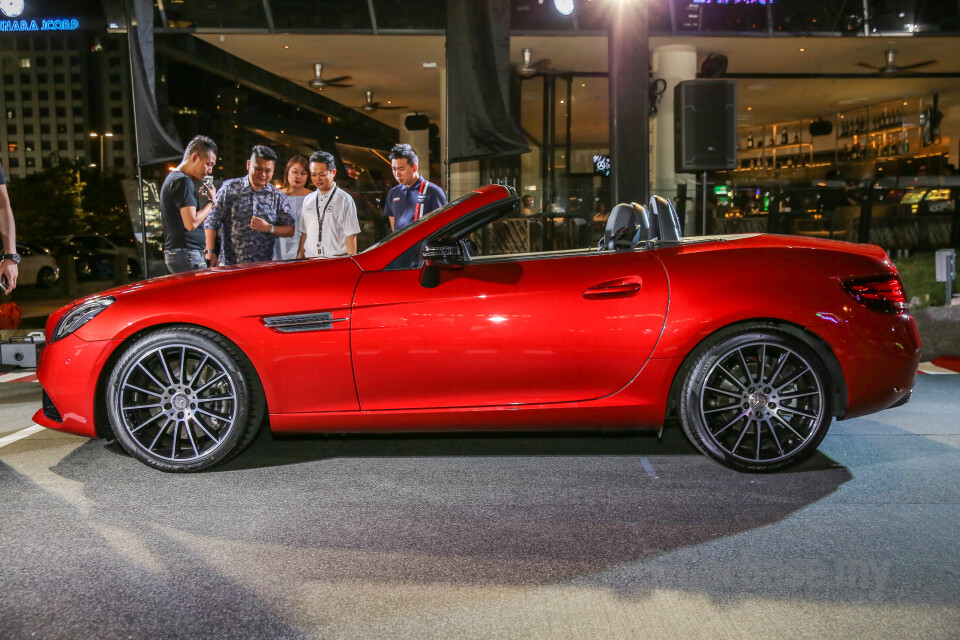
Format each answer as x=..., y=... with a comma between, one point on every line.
x=414, y=197
x=250, y=213
x=328, y=222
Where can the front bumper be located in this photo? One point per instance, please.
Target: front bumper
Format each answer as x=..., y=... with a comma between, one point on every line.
x=68, y=371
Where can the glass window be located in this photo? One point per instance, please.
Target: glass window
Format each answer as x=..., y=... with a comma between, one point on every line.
x=116, y=112
x=45, y=129
x=245, y=14
x=9, y=96
x=26, y=96
x=801, y=16
x=43, y=95
x=11, y=129
x=689, y=15
x=397, y=14
x=44, y=145
x=27, y=129
x=11, y=112
x=59, y=78
x=60, y=94
x=326, y=15
x=44, y=112
x=78, y=112
x=14, y=162
x=28, y=112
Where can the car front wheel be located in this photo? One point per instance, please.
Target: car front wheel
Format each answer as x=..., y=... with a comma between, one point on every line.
x=184, y=399
x=756, y=400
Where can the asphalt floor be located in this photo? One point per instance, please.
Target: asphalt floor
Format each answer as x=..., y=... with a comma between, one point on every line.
x=486, y=536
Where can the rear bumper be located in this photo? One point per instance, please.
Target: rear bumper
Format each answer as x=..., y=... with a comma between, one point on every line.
x=879, y=355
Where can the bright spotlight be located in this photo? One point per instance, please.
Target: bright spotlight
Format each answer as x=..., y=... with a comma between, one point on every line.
x=564, y=6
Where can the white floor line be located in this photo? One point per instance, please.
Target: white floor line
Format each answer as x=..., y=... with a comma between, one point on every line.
x=10, y=377
x=20, y=435
x=929, y=367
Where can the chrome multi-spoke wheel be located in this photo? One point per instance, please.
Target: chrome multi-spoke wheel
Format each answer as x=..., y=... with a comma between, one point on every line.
x=183, y=399
x=757, y=401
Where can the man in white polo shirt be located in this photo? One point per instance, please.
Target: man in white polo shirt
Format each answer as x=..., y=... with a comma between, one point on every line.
x=328, y=220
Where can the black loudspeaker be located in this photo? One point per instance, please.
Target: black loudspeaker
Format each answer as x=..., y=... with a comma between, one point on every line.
x=821, y=127
x=705, y=122
x=416, y=123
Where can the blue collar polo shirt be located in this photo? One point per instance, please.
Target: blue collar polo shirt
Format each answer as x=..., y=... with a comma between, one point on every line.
x=406, y=204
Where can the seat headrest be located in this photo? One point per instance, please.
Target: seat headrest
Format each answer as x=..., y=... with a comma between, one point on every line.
x=665, y=219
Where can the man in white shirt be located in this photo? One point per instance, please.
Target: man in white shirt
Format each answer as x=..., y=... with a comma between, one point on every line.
x=328, y=220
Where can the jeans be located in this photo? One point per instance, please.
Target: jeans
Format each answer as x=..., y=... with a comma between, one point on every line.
x=180, y=260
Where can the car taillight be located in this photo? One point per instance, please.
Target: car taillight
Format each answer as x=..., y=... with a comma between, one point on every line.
x=884, y=294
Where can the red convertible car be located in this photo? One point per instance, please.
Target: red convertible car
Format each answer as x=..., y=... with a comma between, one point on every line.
x=459, y=322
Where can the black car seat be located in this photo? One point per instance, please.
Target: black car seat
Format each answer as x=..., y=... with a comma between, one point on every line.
x=623, y=216
x=665, y=219
x=645, y=229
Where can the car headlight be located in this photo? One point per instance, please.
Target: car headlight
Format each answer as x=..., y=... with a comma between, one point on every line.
x=79, y=316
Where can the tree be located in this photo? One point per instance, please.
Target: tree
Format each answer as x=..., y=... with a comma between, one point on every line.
x=48, y=203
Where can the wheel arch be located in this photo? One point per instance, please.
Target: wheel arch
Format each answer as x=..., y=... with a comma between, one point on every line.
x=101, y=422
x=838, y=385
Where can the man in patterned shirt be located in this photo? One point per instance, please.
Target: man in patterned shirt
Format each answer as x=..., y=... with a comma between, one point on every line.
x=250, y=214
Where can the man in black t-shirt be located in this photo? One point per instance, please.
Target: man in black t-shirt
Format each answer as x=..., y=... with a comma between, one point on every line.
x=8, y=268
x=183, y=237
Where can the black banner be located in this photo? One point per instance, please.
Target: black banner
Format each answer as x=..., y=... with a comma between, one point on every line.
x=154, y=144
x=479, y=124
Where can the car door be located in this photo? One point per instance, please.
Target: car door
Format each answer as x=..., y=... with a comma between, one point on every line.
x=507, y=330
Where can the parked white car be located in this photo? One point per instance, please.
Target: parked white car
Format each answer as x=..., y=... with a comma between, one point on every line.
x=37, y=265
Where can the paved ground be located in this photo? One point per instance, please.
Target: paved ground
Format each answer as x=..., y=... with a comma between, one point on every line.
x=570, y=536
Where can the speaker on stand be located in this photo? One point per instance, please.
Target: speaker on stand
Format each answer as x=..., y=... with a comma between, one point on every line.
x=705, y=135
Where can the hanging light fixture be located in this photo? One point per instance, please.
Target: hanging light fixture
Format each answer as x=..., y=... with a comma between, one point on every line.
x=564, y=6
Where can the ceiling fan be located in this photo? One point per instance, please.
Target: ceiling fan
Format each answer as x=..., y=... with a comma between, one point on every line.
x=317, y=82
x=370, y=106
x=529, y=68
x=891, y=70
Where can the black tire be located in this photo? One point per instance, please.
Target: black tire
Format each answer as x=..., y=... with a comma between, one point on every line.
x=46, y=277
x=133, y=269
x=184, y=399
x=756, y=400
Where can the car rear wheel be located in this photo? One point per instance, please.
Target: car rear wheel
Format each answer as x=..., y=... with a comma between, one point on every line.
x=46, y=277
x=184, y=399
x=756, y=400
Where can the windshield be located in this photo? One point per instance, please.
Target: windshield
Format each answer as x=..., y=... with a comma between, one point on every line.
x=416, y=223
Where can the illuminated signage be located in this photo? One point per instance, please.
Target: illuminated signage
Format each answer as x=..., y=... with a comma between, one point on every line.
x=730, y=1
x=11, y=8
x=14, y=9
x=601, y=165
x=44, y=24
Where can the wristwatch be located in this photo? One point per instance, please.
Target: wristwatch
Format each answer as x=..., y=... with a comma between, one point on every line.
x=271, y=229
x=208, y=252
x=12, y=256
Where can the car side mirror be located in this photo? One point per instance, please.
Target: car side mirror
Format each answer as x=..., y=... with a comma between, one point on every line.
x=443, y=253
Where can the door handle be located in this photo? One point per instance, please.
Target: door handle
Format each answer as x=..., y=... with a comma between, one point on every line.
x=619, y=288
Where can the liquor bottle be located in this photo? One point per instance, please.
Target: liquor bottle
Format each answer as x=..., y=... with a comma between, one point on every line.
x=784, y=137
x=796, y=137
x=750, y=141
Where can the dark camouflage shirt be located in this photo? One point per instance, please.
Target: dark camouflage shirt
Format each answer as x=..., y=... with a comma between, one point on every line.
x=236, y=203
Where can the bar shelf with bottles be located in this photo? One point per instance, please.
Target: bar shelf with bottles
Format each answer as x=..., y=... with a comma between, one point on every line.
x=886, y=130
x=774, y=146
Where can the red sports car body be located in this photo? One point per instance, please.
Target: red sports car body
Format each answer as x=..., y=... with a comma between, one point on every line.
x=454, y=323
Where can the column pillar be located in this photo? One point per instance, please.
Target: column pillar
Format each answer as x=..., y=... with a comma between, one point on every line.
x=629, y=58
x=673, y=63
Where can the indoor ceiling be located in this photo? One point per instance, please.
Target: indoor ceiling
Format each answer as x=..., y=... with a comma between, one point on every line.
x=789, y=77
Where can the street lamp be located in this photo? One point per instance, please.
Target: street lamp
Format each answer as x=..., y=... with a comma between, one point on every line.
x=94, y=134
